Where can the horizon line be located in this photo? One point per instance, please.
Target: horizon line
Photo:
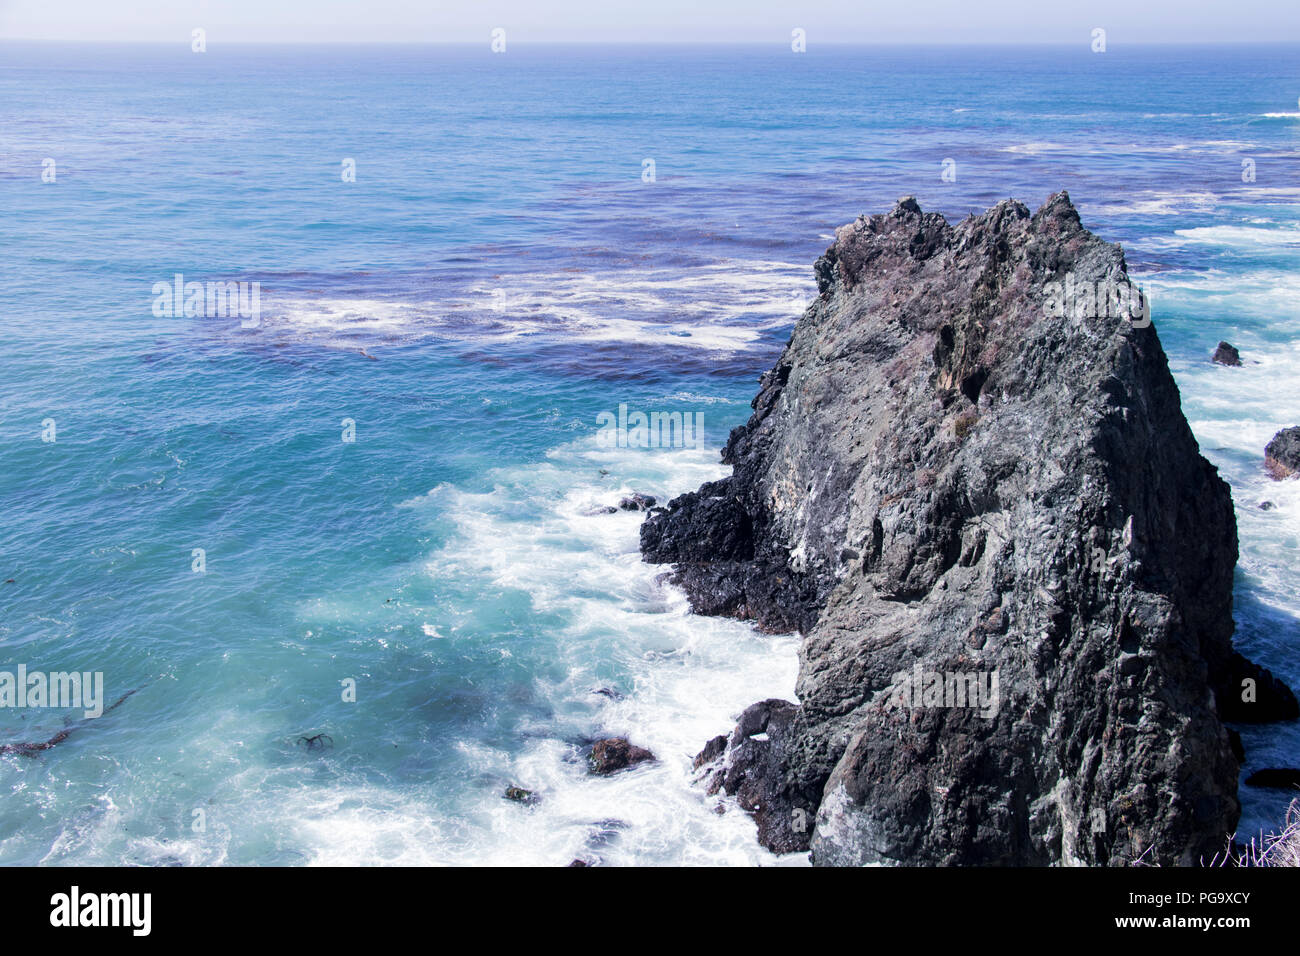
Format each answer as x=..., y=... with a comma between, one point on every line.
x=183, y=39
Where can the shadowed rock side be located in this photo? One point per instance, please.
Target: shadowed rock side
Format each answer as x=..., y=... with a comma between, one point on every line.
x=940, y=477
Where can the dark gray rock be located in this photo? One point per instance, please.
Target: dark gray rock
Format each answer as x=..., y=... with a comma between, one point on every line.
x=946, y=475
x=614, y=754
x=520, y=795
x=748, y=766
x=1226, y=354
x=637, y=502
x=1282, y=454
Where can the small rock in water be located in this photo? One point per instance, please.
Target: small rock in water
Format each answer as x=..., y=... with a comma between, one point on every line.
x=520, y=795
x=1226, y=354
x=609, y=692
x=615, y=754
x=637, y=502
x=579, y=863
x=1282, y=455
x=605, y=510
x=1266, y=506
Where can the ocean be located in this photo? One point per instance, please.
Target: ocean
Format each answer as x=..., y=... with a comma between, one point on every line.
x=377, y=512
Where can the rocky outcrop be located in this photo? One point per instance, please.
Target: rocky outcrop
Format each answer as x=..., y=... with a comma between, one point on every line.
x=747, y=766
x=969, y=482
x=1282, y=454
x=1226, y=354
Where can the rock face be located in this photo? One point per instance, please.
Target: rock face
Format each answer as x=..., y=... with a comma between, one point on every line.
x=1226, y=354
x=1282, y=454
x=980, y=502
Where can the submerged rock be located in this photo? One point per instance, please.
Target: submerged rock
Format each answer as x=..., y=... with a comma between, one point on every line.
x=1282, y=454
x=615, y=754
x=637, y=502
x=980, y=502
x=520, y=795
x=1254, y=696
x=1284, y=778
x=1226, y=354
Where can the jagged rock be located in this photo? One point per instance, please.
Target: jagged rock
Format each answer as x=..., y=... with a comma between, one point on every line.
x=748, y=767
x=614, y=754
x=637, y=502
x=957, y=468
x=710, y=539
x=1226, y=354
x=714, y=749
x=520, y=795
x=1282, y=454
x=1285, y=778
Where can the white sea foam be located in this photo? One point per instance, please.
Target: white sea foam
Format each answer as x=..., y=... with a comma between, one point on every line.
x=684, y=679
x=1253, y=238
x=726, y=307
x=1154, y=203
x=1243, y=236
x=1040, y=148
x=1272, y=295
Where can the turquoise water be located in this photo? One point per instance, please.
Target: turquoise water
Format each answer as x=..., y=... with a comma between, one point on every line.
x=497, y=276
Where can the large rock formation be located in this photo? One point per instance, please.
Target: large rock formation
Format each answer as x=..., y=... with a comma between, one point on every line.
x=968, y=481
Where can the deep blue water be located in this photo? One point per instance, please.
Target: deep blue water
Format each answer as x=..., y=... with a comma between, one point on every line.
x=497, y=276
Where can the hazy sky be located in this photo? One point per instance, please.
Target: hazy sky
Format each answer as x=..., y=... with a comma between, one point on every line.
x=707, y=21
